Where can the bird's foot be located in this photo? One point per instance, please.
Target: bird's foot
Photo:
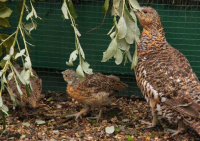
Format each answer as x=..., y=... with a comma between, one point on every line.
x=96, y=117
x=76, y=115
x=174, y=132
x=150, y=124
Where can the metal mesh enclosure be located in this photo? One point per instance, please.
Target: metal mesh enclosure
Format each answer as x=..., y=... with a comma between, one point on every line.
x=54, y=39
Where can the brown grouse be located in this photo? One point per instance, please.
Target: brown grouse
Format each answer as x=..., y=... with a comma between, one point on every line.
x=165, y=76
x=25, y=100
x=96, y=90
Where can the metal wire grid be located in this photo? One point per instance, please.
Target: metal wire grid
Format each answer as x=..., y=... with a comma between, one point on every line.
x=54, y=39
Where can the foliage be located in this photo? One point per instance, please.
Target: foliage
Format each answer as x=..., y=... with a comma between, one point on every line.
x=10, y=44
x=70, y=13
x=124, y=32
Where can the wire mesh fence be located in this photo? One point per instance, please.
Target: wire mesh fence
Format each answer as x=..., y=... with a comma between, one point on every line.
x=54, y=38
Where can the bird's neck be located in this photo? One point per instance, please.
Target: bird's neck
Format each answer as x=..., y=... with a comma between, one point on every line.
x=152, y=39
x=73, y=82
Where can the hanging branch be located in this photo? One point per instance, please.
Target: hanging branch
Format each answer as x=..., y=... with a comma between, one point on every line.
x=123, y=33
x=69, y=13
x=6, y=62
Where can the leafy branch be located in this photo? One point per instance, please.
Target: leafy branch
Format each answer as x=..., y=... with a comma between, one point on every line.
x=124, y=31
x=69, y=13
x=9, y=43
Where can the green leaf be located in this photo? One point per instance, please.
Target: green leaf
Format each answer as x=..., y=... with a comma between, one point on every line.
x=72, y=58
x=7, y=57
x=4, y=22
x=122, y=28
x=105, y=6
x=80, y=73
x=64, y=9
x=19, y=89
x=129, y=56
x=122, y=44
x=10, y=75
x=133, y=16
x=112, y=35
x=118, y=57
x=130, y=36
x=5, y=108
x=130, y=22
x=3, y=0
x=5, y=12
x=2, y=63
x=135, y=58
x=81, y=50
x=32, y=13
x=135, y=4
x=25, y=74
x=117, y=8
x=71, y=9
x=27, y=124
x=85, y=66
x=1, y=102
x=129, y=15
x=77, y=32
x=116, y=3
x=110, y=52
x=1, y=73
x=30, y=26
x=20, y=53
x=40, y=122
x=130, y=138
x=8, y=43
x=27, y=64
x=11, y=50
x=19, y=76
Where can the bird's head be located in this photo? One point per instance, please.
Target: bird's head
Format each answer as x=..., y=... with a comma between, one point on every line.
x=148, y=17
x=69, y=76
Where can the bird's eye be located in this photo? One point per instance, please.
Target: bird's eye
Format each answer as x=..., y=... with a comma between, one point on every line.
x=145, y=12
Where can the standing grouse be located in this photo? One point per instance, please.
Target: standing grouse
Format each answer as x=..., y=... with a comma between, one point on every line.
x=165, y=76
x=96, y=90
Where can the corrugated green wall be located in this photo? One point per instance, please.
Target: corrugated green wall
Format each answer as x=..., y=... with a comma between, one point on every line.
x=54, y=39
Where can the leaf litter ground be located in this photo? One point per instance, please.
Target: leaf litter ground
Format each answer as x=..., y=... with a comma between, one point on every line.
x=48, y=122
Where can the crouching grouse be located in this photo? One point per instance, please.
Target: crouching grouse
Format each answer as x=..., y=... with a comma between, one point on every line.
x=165, y=76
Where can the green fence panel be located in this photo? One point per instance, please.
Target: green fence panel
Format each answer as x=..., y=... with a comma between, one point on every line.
x=54, y=39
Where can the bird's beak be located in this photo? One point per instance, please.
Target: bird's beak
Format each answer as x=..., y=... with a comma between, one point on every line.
x=62, y=72
x=137, y=12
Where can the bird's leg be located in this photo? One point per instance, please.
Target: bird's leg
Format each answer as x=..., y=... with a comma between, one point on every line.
x=98, y=116
x=77, y=115
x=180, y=128
x=154, y=121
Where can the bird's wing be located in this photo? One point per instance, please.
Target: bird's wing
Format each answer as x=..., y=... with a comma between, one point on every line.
x=169, y=73
x=104, y=82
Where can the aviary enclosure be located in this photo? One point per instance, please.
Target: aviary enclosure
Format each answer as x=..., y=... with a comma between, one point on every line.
x=53, y=40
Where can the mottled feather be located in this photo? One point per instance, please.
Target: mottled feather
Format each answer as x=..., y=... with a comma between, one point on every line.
x=164, y=75
x=24, y=100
